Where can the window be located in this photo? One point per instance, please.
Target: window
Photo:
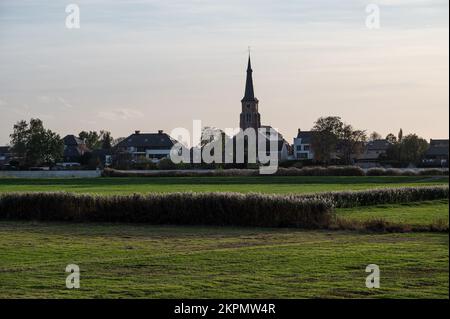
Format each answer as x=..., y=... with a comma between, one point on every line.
x=248, y=106
x=249, y=117
x=302, y=155
x=299, y=147
x=306, y=147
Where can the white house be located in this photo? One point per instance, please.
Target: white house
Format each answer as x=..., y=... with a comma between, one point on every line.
x=302, y=145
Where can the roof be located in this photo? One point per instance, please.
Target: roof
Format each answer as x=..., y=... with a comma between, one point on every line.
x=378, y=145
x=306, y=136
x=438, y=148
x=439, y=143
x=148, y=140
x=280, y=138
x=437, y=151
x=5, y=149
x=72, y=140
x=72, y=151
x=249, y=95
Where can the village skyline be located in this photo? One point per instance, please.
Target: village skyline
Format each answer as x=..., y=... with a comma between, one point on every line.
x=179, y=61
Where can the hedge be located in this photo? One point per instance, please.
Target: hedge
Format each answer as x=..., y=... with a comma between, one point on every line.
x=348, y=199
x=170, y=208
x=291, y=171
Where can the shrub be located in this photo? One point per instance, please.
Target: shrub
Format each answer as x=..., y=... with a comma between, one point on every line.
x=433, y=172
x=291, y=171
x=375, y=172
x=170, y=208
x=382, y=196
x=166, y=163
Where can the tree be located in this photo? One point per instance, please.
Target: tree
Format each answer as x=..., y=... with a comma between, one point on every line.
x=409, y=150
x=106, y=140
x=330, y=133
x=326, y=133
x=391, y=138
x=95, y=141
x=412, y=148
x=352, y=143
x=91, y=138
x=19, y=139
x=375, y=136
x=400, y=136
x=35, y=145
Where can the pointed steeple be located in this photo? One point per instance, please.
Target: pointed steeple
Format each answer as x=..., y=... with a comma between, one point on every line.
x=249, y=95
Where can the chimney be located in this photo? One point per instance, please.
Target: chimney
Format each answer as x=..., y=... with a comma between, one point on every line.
x=160, y=131
x=299, y=130
x=137, y=132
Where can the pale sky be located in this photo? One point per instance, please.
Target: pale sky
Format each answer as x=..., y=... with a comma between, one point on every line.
x=159, y=64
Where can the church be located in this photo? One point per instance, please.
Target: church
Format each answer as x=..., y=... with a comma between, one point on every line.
x=251, y=118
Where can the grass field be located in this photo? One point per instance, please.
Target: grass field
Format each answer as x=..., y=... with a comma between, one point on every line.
x=264, y=184
x=415, y=213
x=194, y=262
x=143, y=261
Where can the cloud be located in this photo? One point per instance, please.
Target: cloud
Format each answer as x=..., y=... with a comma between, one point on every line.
x=119, y=114
x=64, y=102
x=54, y=100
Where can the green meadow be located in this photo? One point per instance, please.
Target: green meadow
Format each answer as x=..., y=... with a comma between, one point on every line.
x=146, y=261
x=142, y=261
x=264, y=184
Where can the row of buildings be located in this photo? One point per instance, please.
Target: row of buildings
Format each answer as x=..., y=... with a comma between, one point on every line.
x=156, y=146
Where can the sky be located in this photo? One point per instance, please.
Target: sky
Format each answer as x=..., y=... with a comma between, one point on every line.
x=160, y=64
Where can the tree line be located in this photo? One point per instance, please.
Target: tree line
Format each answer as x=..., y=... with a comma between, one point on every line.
x=34, y=145
x=333, y=141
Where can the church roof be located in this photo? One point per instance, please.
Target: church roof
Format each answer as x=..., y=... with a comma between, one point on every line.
x=249, y=95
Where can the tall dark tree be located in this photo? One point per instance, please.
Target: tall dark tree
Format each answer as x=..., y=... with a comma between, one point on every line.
x=375, y=136
x=95, y=140
x=35, y=145
x=326, y=132
x=106, y=140
x=91, y=138
x=19, y=139
x=409, y=150
x=332, y=136
x=400, y=136
x=391, y=138
x=352, y=143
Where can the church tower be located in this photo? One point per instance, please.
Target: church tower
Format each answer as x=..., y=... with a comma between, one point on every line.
x=250, y=116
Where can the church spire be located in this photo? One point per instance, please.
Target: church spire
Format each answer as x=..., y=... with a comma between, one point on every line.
x=249, y=95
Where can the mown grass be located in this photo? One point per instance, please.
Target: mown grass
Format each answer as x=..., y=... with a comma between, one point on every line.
x=415, y=214
x=264, y=184
x=138, y=261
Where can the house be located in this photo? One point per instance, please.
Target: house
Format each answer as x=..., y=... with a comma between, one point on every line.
x=5, y=155
x=437, y=154
x=146, y=146
x=101, y=157
x=302, y=145
x=373, y=152
x=74, y=149
x=283, y=147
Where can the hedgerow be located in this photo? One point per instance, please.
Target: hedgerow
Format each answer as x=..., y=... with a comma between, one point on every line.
x=170, y=208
